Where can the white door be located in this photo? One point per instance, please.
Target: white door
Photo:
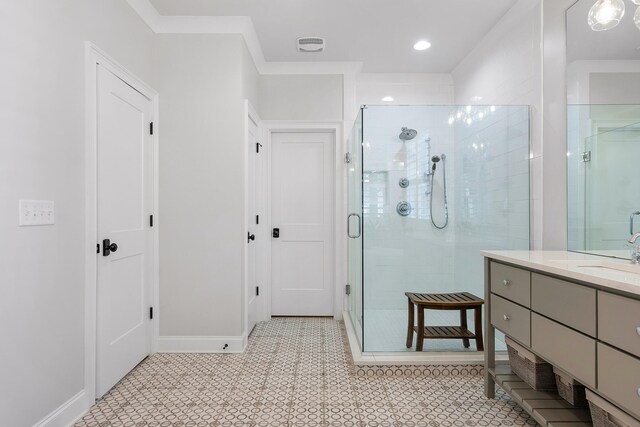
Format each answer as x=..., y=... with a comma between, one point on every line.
x=302, y=212
x=125, y=175
x=253, y=173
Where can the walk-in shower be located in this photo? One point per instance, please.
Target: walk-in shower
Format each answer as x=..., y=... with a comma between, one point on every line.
x=423, y=203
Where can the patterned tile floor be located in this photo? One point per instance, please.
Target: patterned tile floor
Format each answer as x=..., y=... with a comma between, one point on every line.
x=295, y=372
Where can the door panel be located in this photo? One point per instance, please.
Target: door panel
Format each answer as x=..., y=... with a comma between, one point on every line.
x=253, y=172
x=125, y=174
x=302, y=208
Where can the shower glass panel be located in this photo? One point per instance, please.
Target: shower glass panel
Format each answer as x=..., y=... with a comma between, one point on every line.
x=436, y=185
x=354, y=225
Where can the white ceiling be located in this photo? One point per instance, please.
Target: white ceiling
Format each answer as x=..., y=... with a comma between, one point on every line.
x=621, y=42
x=379, y=33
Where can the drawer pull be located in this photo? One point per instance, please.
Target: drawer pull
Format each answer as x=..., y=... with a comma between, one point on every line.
x=506, y=282
x=638, y=391
x=506, y=317
x=638, y=330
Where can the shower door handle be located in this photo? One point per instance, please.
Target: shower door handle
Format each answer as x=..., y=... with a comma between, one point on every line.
x=354, y=236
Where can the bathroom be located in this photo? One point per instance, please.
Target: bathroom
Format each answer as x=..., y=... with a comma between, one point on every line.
x=256, y=309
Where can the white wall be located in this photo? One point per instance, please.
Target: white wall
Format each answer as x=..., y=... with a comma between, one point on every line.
x=202, y=82
x=250, y=78
x=42, y=157
x=301, y=97
x=505, y=69
x=405, y=89
x=603, y=82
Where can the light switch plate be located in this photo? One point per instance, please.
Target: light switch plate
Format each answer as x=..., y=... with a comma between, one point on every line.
x=35, y=212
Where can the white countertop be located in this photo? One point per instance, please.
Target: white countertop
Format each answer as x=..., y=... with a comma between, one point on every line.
x=608, y=273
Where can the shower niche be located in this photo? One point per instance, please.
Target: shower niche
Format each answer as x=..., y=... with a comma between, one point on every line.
x=429, y=187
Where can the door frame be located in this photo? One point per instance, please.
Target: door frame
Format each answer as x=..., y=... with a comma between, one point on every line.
x=93, y=56
x=250, y=113
x=339, y=206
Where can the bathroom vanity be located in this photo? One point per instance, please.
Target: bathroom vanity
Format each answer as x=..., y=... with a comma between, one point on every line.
x=579, y=312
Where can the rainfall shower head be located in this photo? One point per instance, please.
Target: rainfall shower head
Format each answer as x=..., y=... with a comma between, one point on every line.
x=407, y=134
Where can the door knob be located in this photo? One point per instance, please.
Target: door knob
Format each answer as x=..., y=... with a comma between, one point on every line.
x=276, y=233
x=108, y=247
x=250, y=237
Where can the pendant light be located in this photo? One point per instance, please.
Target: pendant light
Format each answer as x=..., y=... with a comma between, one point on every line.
x=636, y=17
x=606, y=14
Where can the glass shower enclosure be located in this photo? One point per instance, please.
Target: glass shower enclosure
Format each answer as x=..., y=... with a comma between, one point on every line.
x=429, y=187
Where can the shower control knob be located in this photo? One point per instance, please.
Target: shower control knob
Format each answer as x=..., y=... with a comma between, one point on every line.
x=506, y=282
x=404, y=208
x=506, y=317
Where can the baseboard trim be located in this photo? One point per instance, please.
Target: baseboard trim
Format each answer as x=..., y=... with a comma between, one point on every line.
x=235, y=344
x=68, y=413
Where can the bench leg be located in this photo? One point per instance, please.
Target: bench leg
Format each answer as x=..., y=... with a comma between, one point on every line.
x=420, y=328
x=463, y=324
x=410, y=325
x=478, y=324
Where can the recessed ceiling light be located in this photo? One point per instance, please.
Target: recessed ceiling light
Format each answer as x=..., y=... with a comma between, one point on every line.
x=387, y=99
x=422, y=45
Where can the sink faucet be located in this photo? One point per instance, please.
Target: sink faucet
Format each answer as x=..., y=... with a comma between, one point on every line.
x=635, y=255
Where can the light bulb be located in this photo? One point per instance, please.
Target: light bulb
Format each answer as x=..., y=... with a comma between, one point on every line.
x=636, y=17
x=422, y=45
x=605, y=14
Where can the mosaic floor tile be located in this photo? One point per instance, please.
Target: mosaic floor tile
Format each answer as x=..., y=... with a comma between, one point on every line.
x=297, y=372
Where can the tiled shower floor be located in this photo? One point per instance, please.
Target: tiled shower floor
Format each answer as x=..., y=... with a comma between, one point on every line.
x=295, y=372
x=386, y=330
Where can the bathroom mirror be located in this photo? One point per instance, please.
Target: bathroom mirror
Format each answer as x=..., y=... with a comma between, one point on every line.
x=603, y=130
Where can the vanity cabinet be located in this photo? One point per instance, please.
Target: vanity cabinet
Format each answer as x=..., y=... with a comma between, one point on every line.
x=511, y=283
x=619, y=322
x=587, y=328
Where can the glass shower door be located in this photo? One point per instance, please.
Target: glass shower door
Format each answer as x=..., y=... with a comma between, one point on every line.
x=354, y=227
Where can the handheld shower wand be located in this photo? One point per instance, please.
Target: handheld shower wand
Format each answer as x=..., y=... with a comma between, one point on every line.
x=435, y=160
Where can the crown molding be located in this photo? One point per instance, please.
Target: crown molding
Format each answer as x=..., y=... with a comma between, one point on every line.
x=242, y=25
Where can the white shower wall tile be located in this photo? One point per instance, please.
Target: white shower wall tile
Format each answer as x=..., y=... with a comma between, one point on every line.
x=400, y=252
x=493, y=200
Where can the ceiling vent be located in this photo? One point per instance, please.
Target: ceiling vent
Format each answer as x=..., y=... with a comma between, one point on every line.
x=310, y=44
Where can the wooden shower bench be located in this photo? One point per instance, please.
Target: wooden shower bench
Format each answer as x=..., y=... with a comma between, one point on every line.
x=462, y=301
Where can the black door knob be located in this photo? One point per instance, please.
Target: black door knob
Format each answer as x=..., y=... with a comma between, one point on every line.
x=108, y=247
x=276, y=233
x=250, y=237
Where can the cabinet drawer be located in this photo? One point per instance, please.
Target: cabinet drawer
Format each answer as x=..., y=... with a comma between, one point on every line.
x=568, y=303
x=619, y=322
x=567, y=349
x=512, y=283
x=619, y=378
x=511, y=319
